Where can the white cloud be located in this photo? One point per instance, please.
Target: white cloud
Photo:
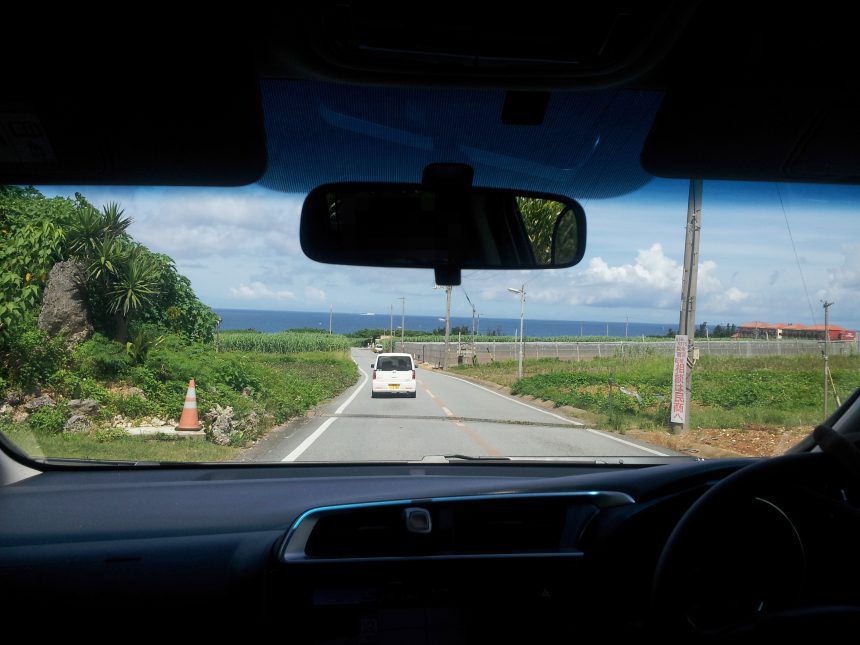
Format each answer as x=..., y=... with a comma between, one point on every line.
x=843, y=287
x=198, y=223
x=652, y=269
x=846, y=278
x=312, y=293
x=257, y=290
x=652, y=280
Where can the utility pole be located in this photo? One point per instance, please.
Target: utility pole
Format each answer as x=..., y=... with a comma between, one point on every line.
x=626, y=325
x=391, y=325
x=474, y=324
x=447, y=325
x=329, y=318
x=685, y=357
x=826, y=306
x=402, y=321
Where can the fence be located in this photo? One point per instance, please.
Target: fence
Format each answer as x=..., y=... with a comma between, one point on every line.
x=572, y=351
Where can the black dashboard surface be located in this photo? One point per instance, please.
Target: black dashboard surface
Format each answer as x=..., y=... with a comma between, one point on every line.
x=69, y=506
x=132, y=542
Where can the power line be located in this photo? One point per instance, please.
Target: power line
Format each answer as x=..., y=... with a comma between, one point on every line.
x=796, y=257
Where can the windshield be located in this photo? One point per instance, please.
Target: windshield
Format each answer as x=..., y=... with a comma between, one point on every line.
x=185, y=324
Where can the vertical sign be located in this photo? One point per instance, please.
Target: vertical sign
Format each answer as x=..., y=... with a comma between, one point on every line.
x=679, y=381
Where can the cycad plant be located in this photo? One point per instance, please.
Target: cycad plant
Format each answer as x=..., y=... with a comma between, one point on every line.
x=122, y=276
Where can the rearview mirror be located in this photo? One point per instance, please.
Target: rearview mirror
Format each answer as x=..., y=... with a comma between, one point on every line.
x=441, y=227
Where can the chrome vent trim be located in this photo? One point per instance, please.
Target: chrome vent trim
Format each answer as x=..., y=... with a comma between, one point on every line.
x=295, y=542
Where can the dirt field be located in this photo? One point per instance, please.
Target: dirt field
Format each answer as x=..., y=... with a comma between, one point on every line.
x=749, y=441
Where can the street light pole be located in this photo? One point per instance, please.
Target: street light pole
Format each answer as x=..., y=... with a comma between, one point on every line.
x=329, y=318
x=402, y=321
x=827, y=306
x=447, y=325
x=522, y=292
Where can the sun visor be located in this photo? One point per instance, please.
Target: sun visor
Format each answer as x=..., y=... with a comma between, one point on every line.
x=172, y=115
x=780, y=135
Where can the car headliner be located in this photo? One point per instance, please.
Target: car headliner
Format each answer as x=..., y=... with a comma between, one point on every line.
x=754, y=91
x=587, y=146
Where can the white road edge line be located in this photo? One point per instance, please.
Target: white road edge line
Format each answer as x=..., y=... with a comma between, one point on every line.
x=512, y=400
x=354, y=394
x=626, y=443
x=304, y=445
x=576, y=423
x=447, y=411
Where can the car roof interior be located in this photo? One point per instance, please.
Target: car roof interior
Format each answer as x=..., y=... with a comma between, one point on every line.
x=768, y=97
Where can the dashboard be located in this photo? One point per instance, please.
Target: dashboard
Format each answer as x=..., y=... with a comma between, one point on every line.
x=448, y=553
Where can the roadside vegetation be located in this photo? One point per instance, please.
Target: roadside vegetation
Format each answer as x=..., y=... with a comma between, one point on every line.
x=147, y=335
x=728, y=392
x=285, y=342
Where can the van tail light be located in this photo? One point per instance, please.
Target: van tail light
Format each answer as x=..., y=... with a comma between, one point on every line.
x=374, y=375
x=413, y=375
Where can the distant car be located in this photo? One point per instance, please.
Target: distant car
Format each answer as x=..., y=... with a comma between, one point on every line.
x=393, y=374
x=377, y=348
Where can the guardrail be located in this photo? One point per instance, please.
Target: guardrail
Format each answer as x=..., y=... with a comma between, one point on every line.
x=575, y=351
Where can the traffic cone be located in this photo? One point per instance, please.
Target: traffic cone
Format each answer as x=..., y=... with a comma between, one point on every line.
x=188, y=420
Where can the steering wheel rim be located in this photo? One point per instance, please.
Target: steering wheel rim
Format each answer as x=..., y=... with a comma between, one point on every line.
x=667, y=604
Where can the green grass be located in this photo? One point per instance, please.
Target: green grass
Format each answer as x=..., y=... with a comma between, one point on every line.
x=263, y=388
x=282, y=342
x=95, y=446
x=292, y=383
x=728, y=392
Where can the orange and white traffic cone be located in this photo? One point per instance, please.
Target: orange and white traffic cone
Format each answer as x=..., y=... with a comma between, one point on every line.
x=189, y=420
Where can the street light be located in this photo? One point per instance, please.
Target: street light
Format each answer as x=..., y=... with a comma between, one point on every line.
x=447, y=289
x=522, y=292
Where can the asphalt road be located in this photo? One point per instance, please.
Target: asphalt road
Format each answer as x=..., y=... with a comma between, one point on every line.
x=449, y=416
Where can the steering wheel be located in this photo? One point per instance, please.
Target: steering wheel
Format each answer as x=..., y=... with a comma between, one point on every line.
x=723, y=603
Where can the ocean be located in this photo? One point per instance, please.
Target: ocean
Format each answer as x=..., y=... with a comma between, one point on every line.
x=344, y=323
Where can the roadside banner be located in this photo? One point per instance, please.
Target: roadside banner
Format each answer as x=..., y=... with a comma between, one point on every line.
x=679, y=380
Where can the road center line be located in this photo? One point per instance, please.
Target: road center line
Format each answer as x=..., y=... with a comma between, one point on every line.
x=316, y=434
x=474, y=436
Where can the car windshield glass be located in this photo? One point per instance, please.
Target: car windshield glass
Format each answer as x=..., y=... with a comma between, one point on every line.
x=163, y=324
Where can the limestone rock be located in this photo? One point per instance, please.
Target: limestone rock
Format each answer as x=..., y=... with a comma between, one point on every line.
x=39, y=402
x=84, y=407
x=64, y=304
x=77, y=423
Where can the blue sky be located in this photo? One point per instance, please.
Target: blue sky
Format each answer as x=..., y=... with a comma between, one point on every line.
x=239, y=247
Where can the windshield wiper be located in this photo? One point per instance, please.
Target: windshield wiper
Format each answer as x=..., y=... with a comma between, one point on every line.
x=105, y=463
x=460, y=457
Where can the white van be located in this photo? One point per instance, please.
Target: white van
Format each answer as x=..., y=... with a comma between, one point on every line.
x=393, y=374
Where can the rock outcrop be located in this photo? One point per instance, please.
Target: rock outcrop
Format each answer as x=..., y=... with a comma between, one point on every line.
x=64, y=306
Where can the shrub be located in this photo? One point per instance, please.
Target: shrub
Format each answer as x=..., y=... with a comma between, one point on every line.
x=106, y=435
x=237, y=375
x=49, y=419
x=133, y=406
x=101, y=358
x=28, y=357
